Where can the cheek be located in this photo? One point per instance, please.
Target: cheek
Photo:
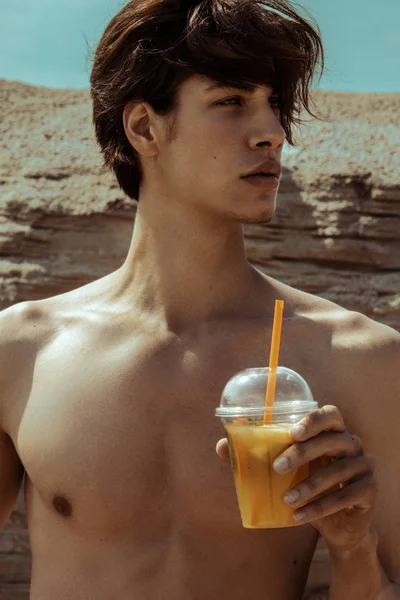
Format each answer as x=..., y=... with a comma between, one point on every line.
x=209, y=142
x=204, y=157
x=198, y=166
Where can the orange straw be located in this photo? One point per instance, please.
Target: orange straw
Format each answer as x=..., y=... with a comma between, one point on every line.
x=270, y=394
x=273, y=359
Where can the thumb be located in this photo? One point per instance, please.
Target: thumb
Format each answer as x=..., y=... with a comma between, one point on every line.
x=222, y=449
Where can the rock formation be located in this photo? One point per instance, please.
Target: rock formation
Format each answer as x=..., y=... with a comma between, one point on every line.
x=65, y=222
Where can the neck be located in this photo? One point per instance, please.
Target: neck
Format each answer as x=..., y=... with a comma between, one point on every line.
x=185, y=267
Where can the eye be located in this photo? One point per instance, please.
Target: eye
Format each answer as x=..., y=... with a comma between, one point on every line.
x=274, y=101
x=236, y=102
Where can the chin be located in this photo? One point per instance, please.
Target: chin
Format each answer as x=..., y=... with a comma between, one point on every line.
x=252, y=213
x=259, y=212
x=257, y=217
x=256, y=220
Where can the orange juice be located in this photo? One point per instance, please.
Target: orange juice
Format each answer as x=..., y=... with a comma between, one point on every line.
x=260, y=490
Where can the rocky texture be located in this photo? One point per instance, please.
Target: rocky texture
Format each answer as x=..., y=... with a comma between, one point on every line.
x=15, y=558
x=65, y=222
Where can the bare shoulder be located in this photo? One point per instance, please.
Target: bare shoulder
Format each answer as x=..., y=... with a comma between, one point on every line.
x=22, y=320
x=363, y=362
x=33, y=322
x=356, y=334
x=364, y=354
x=360, y=343
x=364, y=358
x=351, y=333
x=368, y=358
x=28, y=326
x=18, y=322
x=24, y=329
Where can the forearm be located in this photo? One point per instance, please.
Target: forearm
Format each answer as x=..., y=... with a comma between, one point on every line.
x=359, y=574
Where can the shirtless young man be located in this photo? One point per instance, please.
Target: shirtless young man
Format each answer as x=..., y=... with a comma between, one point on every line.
x=109, y=391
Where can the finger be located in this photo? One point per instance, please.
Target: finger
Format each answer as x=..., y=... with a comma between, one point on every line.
x=325, y=444
x=325, y=478
x=223, y=449
x=358, y=495
x=327, y=418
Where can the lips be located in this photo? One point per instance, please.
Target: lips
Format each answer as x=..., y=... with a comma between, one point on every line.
x=262, y=175
x=263, y=181
x=266, y=168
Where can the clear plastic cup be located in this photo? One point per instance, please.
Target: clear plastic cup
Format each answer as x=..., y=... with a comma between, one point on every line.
x=253, y=445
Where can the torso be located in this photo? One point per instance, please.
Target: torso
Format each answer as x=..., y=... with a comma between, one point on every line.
x=126, y=498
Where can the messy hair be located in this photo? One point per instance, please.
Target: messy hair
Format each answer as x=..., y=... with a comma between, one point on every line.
x=152, y=46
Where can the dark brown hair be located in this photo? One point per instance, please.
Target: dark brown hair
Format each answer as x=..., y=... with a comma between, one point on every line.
x=152, y=46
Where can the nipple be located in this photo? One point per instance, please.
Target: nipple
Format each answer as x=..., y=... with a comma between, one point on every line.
x=62, y=506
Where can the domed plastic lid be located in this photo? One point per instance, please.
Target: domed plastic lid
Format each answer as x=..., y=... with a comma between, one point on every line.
x=245, y=393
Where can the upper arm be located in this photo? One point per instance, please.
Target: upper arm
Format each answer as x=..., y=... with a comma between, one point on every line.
x=14, y=333
x=11, y=474
x=373, y=413
x=384, y=445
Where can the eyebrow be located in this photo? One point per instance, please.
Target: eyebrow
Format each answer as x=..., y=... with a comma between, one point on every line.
x=243, y=87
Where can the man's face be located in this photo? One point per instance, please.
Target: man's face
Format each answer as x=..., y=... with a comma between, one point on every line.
x=220, y=135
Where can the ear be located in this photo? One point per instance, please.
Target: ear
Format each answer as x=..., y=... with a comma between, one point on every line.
x=138, y=119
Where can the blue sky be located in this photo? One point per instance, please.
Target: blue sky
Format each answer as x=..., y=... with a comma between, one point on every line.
x=43, y=41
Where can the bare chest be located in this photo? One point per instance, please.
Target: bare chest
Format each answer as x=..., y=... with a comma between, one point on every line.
x=121, y=436
x=109, y=434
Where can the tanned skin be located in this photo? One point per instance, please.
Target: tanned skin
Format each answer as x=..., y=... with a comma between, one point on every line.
x=109, y=391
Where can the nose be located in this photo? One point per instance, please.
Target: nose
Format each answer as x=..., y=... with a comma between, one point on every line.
x=268, y=133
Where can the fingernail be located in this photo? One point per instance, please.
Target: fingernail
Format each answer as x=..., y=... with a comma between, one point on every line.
x=281, y=464
x=291, y=497
x=298, y=431
x=300, y=515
